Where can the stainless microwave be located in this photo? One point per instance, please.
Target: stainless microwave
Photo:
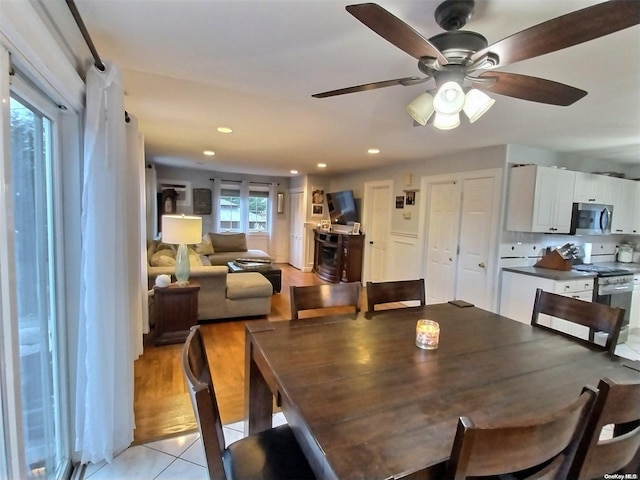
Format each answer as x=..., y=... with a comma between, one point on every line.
x=591, y=219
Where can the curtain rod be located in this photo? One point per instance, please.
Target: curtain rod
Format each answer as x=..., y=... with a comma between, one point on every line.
x=85, y=34
x=240, y=181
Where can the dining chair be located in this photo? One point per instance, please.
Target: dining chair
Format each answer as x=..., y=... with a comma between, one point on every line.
x=399, y=291
x=540, y=449
x=595, y=316
x=270, y=454
x=618, y=404
x=324, y=296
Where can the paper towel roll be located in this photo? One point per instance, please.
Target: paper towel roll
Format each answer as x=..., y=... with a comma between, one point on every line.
x=587, y=252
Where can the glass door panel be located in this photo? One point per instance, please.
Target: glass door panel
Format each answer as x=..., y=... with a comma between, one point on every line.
x=33, y=207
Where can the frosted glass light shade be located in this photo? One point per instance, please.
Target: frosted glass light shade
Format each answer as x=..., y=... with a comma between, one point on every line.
x=421, y=108
x=449, y=99
x=178, y=229
x=446, y=122
x=476, y=104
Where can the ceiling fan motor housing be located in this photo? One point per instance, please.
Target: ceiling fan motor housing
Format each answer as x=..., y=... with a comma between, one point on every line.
x=454, y=14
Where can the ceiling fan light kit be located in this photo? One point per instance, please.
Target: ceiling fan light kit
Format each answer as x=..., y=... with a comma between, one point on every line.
x=442, y=121
x=456, y=56
x=476, y=104
x=421, y=108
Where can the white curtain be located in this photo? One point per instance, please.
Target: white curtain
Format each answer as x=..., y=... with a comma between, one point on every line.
x=151, y=188
x=110, y=293
x=273, y=215
x=244, y=211
x=217, y=189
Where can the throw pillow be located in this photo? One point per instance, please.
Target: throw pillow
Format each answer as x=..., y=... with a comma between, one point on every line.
x=162, y=258
x=205, y=247
x=194, y=259
x=229, y=242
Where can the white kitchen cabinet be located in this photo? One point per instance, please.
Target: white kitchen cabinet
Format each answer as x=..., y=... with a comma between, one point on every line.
x=634, y=314
x=635, y=225
x=540, y=199
x=519, y=293
x=593, y=188
x=624, y=205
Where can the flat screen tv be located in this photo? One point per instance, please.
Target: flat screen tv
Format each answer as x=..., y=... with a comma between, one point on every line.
x=342, y=207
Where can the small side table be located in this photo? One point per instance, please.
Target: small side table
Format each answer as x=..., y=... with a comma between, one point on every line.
x=176, y=311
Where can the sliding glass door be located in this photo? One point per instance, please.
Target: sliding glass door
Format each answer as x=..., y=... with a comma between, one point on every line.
x=38, y=363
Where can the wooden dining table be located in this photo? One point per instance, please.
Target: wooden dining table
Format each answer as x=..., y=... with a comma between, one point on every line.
x=365, y=402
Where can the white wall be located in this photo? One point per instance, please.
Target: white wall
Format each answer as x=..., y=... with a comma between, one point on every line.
x=202, y=179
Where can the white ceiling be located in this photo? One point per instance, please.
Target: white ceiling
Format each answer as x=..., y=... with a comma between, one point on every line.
x=190, y=66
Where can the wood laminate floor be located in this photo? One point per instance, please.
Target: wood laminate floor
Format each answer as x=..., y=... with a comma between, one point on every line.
x=162, y=404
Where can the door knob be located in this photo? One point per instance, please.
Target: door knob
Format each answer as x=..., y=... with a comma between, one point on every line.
x=481, y=265
x=370, y=243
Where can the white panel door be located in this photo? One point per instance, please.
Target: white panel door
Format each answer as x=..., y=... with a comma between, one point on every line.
x=378, y=204
x=442, y=241
x=477, y=234
x=296, y=241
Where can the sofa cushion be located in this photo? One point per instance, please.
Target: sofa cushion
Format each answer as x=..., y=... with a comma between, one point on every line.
x=205, y=247
x=229, y=242
x=221, y=258
x=248, y=285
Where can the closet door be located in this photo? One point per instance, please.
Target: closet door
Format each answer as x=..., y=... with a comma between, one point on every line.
x=475, y=275
x=442, y=240
x=461, y=237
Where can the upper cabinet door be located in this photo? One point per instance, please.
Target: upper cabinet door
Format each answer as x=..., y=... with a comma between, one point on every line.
x=592, y=188
x=540, y=199
x=625, y=205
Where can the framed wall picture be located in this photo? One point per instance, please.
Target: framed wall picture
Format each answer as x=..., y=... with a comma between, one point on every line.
x=410, y=197
x=182, y=188
x=202, y=201
x=317, y=210
x=317, y=195
x=400, y=201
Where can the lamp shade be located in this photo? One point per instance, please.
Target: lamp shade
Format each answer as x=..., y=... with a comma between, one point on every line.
x=421, y=108
x=476, y=104
x=181, y=229
x=449, y=99
x=446, y=122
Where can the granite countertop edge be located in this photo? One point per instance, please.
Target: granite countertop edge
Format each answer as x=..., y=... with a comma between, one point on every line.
x=569, y=274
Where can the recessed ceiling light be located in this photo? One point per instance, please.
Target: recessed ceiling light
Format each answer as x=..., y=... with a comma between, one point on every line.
x=224, y=130
x=322, y=165
x=373, y=151
x=294, y=172
x=209, y=153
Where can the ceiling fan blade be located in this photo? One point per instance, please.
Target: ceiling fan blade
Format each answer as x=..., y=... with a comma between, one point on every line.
x=395, y=31
x=529, y=88
x=565, y=31
x=370, y=86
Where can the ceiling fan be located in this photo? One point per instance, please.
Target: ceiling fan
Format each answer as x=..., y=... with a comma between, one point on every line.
x=461, y=59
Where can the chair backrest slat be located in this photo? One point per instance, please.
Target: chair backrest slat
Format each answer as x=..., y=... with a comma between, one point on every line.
x=595, y=316
x=196, y=370
x=546, y=446
x=617, y=404
x=398, y=291
x=323, y=296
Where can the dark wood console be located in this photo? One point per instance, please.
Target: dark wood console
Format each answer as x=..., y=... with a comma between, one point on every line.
x=338, y=256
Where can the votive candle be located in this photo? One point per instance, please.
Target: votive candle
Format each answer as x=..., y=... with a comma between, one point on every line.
x=427, y=334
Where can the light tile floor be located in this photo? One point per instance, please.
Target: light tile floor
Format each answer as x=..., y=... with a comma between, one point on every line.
x=182, y=458
x=177, y=458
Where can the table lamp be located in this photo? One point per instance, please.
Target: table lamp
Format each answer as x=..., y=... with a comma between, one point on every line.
x=181, y=230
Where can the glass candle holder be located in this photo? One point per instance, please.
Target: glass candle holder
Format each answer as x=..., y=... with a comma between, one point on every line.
x=427, y=334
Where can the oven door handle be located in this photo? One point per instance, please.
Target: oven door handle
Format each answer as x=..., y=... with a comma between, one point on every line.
x=613, y=289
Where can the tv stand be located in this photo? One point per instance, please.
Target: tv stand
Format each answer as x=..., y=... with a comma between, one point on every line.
x=338, y=256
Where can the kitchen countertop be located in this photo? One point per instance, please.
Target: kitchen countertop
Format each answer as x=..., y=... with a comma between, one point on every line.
x=557, y=275
x=560, y=275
